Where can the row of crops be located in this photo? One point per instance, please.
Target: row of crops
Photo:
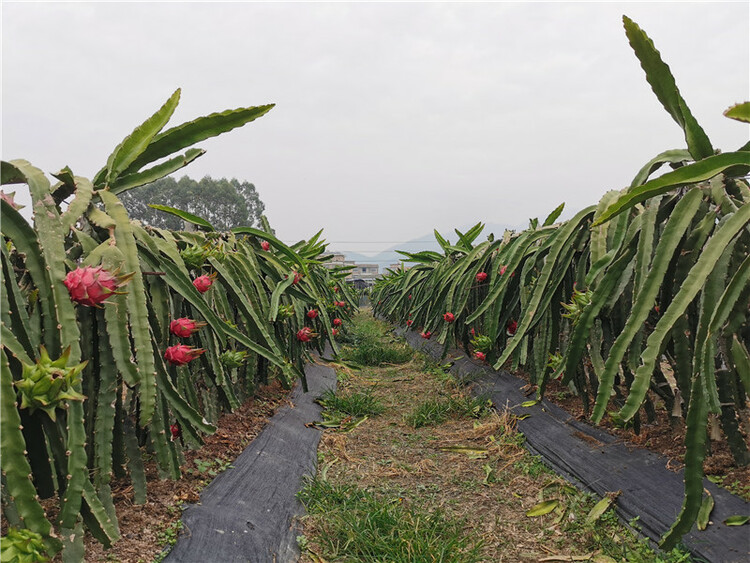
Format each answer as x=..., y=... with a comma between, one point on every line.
x=637, y=303
x=118, y=339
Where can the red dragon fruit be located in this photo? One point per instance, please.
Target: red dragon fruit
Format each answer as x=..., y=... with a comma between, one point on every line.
x=409, y=322
x=426, y=334
x=305, y=334
x=184, y=327
x=481, y=276
x=512, y=327
x=480, y=356
x=335, y=331
x=337, y=322
x=297, y=277
x=175, y=430
x=502, y=269
x=340, y=303
x=265, y=245
x=181, y=354
x=448, y=317
x=91, y=286
x=203, y=283
x=312, y=313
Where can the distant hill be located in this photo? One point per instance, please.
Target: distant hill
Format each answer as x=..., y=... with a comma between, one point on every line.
x=390, y=256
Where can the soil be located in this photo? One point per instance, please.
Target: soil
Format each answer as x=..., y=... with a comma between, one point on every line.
x=146, y=529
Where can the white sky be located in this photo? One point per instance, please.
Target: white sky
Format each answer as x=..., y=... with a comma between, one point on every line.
x=392, y=118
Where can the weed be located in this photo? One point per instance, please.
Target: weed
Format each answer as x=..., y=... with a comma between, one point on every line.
x=357, y=525
x=167, y=537
x=352, y=404
x=435, y=411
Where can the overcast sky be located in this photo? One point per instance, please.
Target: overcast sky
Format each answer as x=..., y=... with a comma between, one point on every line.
x=391, y=119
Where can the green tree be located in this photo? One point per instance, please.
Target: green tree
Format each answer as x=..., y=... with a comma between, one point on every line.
x=223, y=203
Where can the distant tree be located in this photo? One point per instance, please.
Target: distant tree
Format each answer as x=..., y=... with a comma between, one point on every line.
x=223, y=203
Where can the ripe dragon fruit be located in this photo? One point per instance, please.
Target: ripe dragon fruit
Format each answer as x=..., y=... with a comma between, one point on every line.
x=502, y=269
x=297, y=277
x=340, y=303
x=203, y=283
x=265, y=245
x=409, y=322
x=181, y=354
x=305, y=334
x=337, y=322
x=184, y=327
x=232, y=359
x=481, y=277
x=91, y=286
x=481, y=356
x=512, y=327
x=312, y=313
x=176, y=431
x=335, y=331
x=47, y=384
x=448, y=317
x=426, y=334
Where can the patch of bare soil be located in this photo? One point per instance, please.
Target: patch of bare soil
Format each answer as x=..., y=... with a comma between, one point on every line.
x=146, y=528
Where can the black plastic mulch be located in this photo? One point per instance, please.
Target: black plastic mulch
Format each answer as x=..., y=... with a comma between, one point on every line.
x=247, y=512
x=599, y=462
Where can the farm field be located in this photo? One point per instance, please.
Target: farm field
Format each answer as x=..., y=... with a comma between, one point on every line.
x=137, y=362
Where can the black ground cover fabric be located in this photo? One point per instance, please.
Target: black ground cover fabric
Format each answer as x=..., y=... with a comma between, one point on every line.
x=599, y=462
x=246, y=513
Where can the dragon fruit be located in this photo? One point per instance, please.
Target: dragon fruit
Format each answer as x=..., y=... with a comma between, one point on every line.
x=47, y=383
x=203, y=283
x=176, y=431
x=232, y=358
x=312, y=313
x=512, y=327
x=481, y=277
x=297, y=277
x=305, y=334
x=335, y=331
x=194, y=256
x=502, y=269
x=181, y=354
x=184, y=327
x=337, y=322
x=448, y=317
x=426, y=334
x=481, y=356
x=91, y=286
x=409, y=322
x=265, y=245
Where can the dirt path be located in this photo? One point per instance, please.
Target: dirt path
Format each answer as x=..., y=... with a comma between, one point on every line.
x=471, y=467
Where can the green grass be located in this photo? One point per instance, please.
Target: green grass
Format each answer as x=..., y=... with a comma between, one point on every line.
x=352, y=404
x=368, y=344
x=357, y=525
x=436, y=411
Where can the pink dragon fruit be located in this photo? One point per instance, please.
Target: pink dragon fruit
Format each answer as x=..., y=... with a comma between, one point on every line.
x=305, y=334
x=312, y=313
x=512, y=327
x=449, y=318
x=426, y=335
x=184, y=327
x=335, y=331
x=480, y=356
x=181, y=354
x=337, y=322
x=265, y=245
x=203, y=283
x=91, y=286
x=409, y=322
x=481, y=276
